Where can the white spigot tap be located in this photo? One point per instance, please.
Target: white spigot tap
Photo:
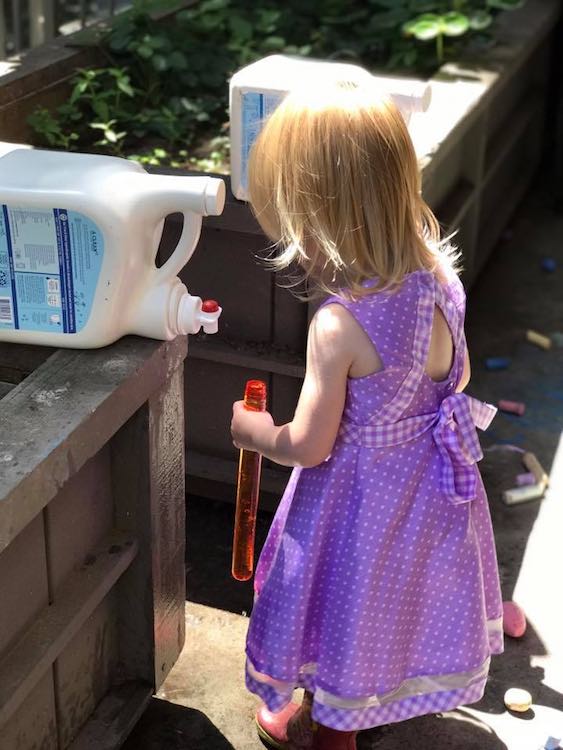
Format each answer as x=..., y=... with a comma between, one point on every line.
x=194, y=314
x=209, y=315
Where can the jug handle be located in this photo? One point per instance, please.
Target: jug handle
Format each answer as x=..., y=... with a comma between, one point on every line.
x=185, y=247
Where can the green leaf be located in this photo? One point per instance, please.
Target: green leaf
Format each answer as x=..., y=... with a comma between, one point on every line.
x=241, y=28
x=480, y=20
x=273, y=43
x=111, y=136
x=124, y=85
x=101, y=109
x=425, y=27
x=178, y=60
x=144, y=51
x=160, y=63
x=454, y=24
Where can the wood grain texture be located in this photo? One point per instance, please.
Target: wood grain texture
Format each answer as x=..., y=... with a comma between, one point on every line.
x=114, y=717
x=55, y=626
x=149, y=494
x=62, y=414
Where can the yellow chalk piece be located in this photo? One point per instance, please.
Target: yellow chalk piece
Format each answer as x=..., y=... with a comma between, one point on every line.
x=533, y=465
x=538, y=339
x=517, y=699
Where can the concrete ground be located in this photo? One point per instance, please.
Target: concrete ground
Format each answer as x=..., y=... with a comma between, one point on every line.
x=203, y=704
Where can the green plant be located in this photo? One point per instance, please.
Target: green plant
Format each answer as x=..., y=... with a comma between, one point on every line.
x=463, y=16
x=165, y=84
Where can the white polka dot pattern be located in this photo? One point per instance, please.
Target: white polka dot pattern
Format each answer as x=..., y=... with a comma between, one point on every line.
x=369, y=573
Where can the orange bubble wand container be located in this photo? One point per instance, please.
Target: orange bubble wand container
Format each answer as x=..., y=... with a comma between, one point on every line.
x=248, y=489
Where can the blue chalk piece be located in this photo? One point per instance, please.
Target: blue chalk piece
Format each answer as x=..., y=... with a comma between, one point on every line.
x=552, y=743
x=549, y=265
x=497, y=363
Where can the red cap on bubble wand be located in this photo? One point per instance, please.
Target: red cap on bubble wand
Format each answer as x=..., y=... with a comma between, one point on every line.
x=248, y=489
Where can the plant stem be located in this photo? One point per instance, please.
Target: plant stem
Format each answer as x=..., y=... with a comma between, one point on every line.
x=440, y=48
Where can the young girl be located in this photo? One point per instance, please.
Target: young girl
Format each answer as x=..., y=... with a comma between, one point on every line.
x=377, y=588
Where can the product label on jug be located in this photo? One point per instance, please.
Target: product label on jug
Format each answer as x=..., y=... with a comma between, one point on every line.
x=50, y=261
x=256, y=108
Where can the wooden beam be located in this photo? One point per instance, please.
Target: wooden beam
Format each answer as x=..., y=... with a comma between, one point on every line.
x=57, y=624
x=114, y=718
x=65, y=411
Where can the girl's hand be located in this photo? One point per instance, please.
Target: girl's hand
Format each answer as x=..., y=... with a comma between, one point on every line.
x=249, y=428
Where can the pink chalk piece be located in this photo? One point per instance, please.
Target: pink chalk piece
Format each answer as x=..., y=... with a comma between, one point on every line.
x=524, y=480
x=513, y=407
x=514, y=619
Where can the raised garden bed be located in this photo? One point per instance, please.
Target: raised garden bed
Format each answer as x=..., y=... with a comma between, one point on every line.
x=92, y=539
x=480, y=144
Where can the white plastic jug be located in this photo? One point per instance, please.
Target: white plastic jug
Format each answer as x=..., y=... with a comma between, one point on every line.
x=78, y=239
x=257, y=89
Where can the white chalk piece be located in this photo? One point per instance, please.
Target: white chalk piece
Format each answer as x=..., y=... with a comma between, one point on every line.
x=517, y=699
x=522, y=494
x=533, y=465
x=538, y=339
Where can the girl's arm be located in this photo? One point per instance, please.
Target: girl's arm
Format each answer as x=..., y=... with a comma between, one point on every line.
x=309, y=438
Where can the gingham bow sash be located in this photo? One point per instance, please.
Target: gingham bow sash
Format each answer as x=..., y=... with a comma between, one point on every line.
x=454, y=432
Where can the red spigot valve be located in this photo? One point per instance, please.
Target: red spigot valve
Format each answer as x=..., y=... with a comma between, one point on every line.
x=210, y=306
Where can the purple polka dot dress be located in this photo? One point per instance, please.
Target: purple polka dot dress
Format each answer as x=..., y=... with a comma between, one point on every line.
x=377, y=588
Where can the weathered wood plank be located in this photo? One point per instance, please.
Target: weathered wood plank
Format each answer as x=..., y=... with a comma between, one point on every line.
x=133, y=515
x=61, y=415
x=5, y=388
x=78, y=518
x=222, y=470
x=269, y=358
x=86, y=669
x=168, y=537
x=34, y=725
x=56, y=625
x=114, y=718
x=23, y=582
x=149, y=495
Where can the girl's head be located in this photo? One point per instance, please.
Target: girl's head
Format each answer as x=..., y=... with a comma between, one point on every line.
x=334, y=181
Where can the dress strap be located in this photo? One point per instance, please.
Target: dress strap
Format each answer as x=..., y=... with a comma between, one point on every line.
x=396, y=407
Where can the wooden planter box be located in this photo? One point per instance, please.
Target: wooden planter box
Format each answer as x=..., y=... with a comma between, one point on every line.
x=92, y=539
x=479, y=144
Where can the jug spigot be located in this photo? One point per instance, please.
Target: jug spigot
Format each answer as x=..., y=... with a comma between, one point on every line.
x=209, y=315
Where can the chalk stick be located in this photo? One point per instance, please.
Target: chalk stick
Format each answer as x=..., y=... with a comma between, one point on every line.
x=497, y=363
x=532, y=464
x=513, y=619
x=522, y=494
x=538, y=339
x=549, y=265
x=512, y=407
x=525, y=480
x=517, y=699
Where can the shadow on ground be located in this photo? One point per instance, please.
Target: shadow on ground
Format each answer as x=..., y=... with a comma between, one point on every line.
x=456, y=729
x=168, y=726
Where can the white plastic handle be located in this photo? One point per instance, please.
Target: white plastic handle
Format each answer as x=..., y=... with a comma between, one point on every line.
x=185, y=247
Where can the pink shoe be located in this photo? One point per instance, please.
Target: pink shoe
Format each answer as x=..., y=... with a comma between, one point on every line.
x=272, y=728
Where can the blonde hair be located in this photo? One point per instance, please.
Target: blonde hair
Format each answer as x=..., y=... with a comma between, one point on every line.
x=334, y=182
